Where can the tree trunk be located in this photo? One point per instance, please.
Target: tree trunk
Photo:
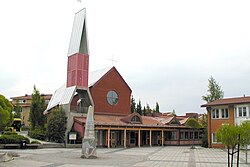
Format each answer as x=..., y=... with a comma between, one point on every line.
x=246, y=154
x=232, y=157
x=238, y=153
x=228, y=156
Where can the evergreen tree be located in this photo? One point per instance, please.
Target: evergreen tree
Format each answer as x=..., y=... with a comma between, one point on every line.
x=173, y=113
x=214, y=91
x=144, y=111
x=56, y=126
x=139, y=108
x=6, y=117
x=157, y=108
x=148, y=109
x=36, y=118
x=18, y=110
x=132, y=105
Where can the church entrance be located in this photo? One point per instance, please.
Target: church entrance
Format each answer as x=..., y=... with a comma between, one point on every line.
x=145, y=138
x=133, y=138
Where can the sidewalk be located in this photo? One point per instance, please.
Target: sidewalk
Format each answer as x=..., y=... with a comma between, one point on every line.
x=137, y=157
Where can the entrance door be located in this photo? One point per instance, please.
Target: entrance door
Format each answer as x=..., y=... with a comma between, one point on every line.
x=113, y=139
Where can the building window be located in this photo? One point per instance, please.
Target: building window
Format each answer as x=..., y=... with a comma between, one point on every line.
x=22, y=101
x=214, y=138
x=182, y=135
x=224, y=113
x=135, y=119
x=186, y=135
x=196, y=135
x=112, y=98
x=191, y=135
x=242, y=111
x=220, y=113
x=171, y=136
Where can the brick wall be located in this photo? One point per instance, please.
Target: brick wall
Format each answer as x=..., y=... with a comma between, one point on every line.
x=214, y=125
x=111, y=81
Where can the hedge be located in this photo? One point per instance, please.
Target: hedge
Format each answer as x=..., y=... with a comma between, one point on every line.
x=9, y=133
x=37, y=134
x=13, y=139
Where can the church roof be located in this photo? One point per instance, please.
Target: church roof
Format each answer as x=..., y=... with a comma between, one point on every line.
x=95, y=76
x=63, y=95
x=119, y=120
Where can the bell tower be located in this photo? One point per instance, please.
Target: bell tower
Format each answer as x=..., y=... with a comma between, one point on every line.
x=78, y=57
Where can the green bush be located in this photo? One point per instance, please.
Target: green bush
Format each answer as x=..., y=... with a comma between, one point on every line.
x=7, y=129
x=13, y=139
x=37, y=134
x=35, y=142
x=9, y=133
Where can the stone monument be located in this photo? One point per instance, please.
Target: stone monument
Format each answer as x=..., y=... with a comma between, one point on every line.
x=89, y=143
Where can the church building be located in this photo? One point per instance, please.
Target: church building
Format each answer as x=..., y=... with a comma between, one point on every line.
x=109, y=94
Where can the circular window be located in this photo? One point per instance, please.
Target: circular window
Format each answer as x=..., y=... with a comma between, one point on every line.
x=112, y=98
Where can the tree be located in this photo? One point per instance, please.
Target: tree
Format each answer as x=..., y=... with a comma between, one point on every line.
x=18, y=110
x=157, y=108
x=56, y=126
x=36, y=118
x=144, y=111
x=214, y=91
x=173, y=113
x=194, y=124
x=139, y=108
x=148, y=109
x=132, y=104
x=6, y=117
x=229, y=136
x=245, y=135
x=203, y=123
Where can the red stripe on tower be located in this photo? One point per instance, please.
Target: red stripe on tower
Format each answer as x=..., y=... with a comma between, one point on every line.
x=78, y=58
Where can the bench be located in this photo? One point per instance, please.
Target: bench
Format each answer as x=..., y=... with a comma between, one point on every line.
x=11, y=146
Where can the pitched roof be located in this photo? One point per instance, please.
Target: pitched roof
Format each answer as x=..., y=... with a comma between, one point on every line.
x=63, y=95
x=227, y=101
x=45, y=96
x=95, y=76
x=119, y=120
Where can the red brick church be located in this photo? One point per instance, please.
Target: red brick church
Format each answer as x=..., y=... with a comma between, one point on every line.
x=109, y=93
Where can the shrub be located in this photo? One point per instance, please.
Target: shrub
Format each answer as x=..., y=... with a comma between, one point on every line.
x=35, y=142
x=37, y=134
x=9, y=133
x=56, y=126
x=13, y=139
x=7, y=129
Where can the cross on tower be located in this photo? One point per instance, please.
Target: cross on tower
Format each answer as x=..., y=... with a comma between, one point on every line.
x=112, y=60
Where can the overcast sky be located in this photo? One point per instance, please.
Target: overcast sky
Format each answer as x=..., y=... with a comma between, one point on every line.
x=165, y=50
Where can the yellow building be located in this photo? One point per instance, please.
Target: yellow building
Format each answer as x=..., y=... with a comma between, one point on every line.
x=25, y=102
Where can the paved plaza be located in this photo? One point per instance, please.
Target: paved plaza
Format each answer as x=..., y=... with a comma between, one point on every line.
x=138, y=157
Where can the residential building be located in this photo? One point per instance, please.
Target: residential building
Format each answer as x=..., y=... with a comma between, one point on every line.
x=226, y=111
x=24, y=102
